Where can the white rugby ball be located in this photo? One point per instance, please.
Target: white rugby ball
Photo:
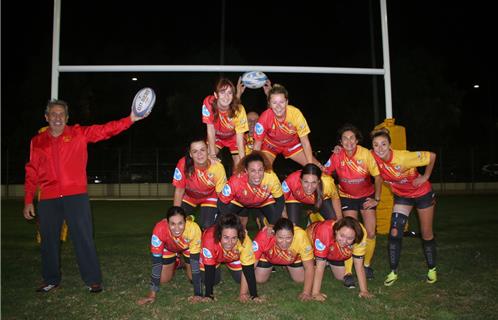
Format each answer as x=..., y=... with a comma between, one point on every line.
x=143, y=102
x=254, y=79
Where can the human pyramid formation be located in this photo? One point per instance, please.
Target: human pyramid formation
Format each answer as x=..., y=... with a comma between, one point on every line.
x=333, y=237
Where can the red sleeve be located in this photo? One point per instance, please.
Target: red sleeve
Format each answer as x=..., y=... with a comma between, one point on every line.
x=100, y=132
x=209, y=252
x=157, y=240
x=207, y=110
x=31, y=178
x=261, y=126
x=260, y=242
x=228, y=193
x=329, y=167
x=321, y=240
x=179, y=178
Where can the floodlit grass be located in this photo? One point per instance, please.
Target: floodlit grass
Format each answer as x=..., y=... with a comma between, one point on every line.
x=467, y=235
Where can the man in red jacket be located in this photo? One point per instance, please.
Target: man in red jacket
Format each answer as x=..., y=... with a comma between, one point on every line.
x=57, y=166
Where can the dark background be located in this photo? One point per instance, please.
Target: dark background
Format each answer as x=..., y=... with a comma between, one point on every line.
x=438, y=52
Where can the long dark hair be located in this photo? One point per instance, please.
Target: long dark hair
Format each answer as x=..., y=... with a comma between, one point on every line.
x=283, y=224
x=175, y=210
x=351, y=223
x=253, y=156
x=189, y=162
x=229, y=221
x=234, y=106
x=313, y=169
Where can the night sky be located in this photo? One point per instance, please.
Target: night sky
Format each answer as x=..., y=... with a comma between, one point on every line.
x=438, y=52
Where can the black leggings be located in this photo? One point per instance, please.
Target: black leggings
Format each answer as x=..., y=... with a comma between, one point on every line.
x=294, y=211
x=207, y=214
x=270, y=211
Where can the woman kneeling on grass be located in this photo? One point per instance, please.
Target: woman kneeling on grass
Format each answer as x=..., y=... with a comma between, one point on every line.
x=227, y=242
x=333, y=243
x=172, y=236
x=411, y=189
x=289, y=246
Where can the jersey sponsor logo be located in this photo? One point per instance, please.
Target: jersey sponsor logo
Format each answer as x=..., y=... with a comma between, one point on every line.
x=205, y=111
x=207, y=253
x=327, y=164
x=226, y=190
x=258, y=128
x=255, y=246
x=419, y=154
x=178, y=174
x=236, y=262
x=285, y=187
x=319, y=245
x=155, y=241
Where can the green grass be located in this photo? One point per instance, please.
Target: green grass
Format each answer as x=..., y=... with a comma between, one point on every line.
x=467, y=235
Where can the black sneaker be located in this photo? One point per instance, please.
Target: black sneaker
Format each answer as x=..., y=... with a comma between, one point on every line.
x=369, y=272
x=349, y=281
x=95, y=288
x=47, y=288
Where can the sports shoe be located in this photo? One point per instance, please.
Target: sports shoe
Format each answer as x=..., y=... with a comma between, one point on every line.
x=391, y=279
x=95, y=288
x=369, y=272
x=432, y=276
x=47, y=288
x=349, y=281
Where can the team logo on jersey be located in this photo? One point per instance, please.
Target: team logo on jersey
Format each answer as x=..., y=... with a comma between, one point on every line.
x=177, y=175
x=207, y=253
x=327, y=164
x=398, y=167
x=258, y=128
x=319, y=245
x=307, y=249
x=226, y=190
x=285, y=187
x=205, y=111
x=155, y=241
x=419, y=154
x=255, y=246
x=359, y=161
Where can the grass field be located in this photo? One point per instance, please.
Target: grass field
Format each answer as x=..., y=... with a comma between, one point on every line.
x=467, y=235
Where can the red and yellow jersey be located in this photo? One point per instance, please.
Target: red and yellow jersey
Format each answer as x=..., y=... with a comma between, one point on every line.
x=224, y=126
x=162, y=239
x=282, y=133
x=266, y=248
x=354, y=172
x=324, y=245
x=212, y=253
x=203, y=182
x=401, y=169
x=239, y=191
x=294, y=192
x=249, y=142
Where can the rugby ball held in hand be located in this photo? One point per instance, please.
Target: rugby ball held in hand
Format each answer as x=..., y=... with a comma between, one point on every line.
x=143, y=102
x=254, y=79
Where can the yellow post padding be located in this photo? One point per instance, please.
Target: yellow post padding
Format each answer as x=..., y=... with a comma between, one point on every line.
x=385, y=207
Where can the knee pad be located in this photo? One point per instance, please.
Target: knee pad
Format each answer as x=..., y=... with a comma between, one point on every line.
x=398, y=222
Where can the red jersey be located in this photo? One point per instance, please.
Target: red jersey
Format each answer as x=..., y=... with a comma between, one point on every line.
x=324, y=245
x=354, y=172
x=162, y=240
x=401, y=169
x=212, y=253
x=285, y=133
x=57, y=165
x=265, y=248
x=239, y=191
x=294, y=192
x=203, y=182
x=224, y=126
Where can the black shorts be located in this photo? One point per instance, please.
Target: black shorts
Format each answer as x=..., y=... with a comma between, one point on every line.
x=266, y=264
x=422, y=202
x=337, y=263
x=355, y=204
